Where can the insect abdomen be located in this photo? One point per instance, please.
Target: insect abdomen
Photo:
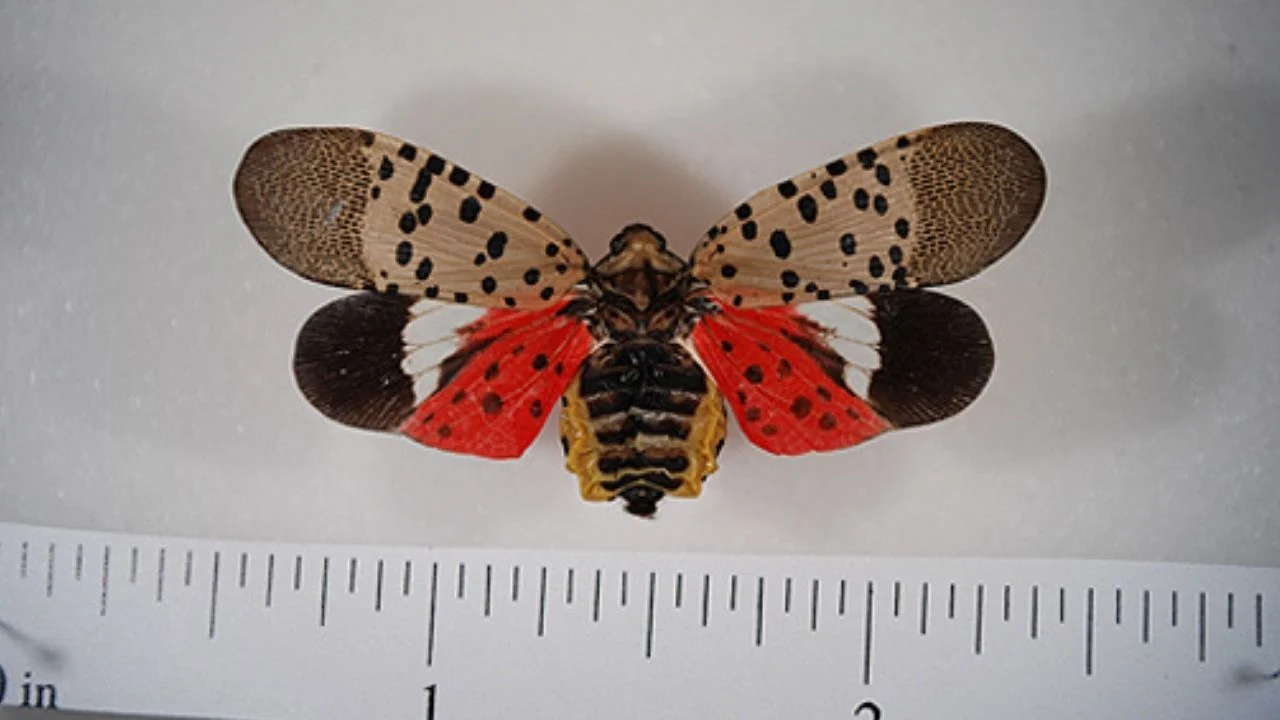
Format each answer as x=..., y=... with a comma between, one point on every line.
x=641, y=421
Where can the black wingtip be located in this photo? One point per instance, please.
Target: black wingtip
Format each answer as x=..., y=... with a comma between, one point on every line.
x=935, y=357
x=348, y=361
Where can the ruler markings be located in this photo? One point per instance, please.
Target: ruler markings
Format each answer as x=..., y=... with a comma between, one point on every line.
x=1231, y=611
x=867, y=621
x=1257, y=619
x=622, y=600
x=814, y=593
x=213, y=595
x=133, y=565
x=951, y=602
x=977, y=619
x=431, y=613
x=160, y=576
x=48, y=577
x=595, y=597
x=1062, y=606
x=106, y=580
x=515, y=583
x=679, y=599
x=377, y=586
x=542, y=601
x=841, y=602
x=1201, y=640
x=244, y=570
x=352, y=572
x=324, y=591
x=1174, y=611
x=760, y=611
x=406, y=582
x=462, y=580
x=648, y=622
x=1035, y=611
x=897, y=597
x=1088, y=633
x=297, y=573
x=1119, y=607
x=568, y=587
x=706, y=598
x=22, y=560
x=733, y=593
x=786, y=596
x=271, y=578
x=488, y=589
x=79, y=561
x=188, y=568
x=924, y=608
x=1007, y=601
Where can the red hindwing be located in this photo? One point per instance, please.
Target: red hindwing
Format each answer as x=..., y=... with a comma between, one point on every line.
x=781, y=381
x=499, y=387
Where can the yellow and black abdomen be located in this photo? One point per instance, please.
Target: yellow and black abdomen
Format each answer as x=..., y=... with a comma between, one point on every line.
x=641, y=421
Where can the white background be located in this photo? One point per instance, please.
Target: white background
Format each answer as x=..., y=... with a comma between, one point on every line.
x=145, y=339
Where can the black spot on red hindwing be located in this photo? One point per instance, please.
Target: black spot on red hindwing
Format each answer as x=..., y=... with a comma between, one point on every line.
x=458, y=397
x=726, y=346
x=827, y=421
x=535, y=408
x=491, y=404
x=491, y=372
x=752, y=414
x=444, y=431
x=800, y=407
x=824, y=393
x=754, y=374
x=784, y=369
x=539, y=362
x=769, y=430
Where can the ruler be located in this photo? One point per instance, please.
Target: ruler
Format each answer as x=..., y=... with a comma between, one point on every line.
x=180, y=627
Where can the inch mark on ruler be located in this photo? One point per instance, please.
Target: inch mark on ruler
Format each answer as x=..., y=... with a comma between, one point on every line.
x=1200, y=629
x=1146, y=617
x=431, y=615
x=867, y=621
x=79, y=562
x=1257, y=619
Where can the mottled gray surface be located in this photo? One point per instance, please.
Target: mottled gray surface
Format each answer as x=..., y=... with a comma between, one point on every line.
x=144, y=371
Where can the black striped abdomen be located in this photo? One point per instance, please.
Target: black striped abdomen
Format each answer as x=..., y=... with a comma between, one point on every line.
x=640, y=421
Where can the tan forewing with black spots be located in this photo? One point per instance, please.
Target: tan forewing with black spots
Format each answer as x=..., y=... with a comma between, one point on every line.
x=360, y=209
x=930, y=207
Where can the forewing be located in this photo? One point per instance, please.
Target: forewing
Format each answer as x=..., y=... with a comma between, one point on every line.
x=359, y=209
x=496, y=391
x=930, y=207
x=389, y=363
x=826, y=376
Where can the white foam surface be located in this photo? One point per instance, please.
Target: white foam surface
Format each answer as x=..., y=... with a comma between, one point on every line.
x=145, y=339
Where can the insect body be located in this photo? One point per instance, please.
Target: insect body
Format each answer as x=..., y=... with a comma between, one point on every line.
x=804, y=309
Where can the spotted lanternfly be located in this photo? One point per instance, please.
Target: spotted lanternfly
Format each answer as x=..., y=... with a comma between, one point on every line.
x=804, y=307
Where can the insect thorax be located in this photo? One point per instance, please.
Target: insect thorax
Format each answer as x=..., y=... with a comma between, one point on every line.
x=642, y=419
